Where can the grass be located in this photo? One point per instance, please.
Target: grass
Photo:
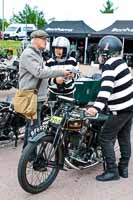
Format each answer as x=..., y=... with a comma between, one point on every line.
x=10, y=44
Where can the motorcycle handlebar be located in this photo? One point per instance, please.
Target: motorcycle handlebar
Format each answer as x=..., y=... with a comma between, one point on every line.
x=67, y=99
x=97, y=117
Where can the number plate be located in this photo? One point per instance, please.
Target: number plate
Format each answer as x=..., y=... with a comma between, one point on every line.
x=55, y=119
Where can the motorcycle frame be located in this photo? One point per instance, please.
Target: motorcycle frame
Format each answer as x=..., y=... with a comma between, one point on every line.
x=58, y=136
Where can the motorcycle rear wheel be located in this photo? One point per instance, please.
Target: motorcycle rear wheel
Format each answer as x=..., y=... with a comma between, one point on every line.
x=35, y=173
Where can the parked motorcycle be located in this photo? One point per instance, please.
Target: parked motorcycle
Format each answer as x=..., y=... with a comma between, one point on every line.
x=8, y=76
x=10, y=123
x=69, y=141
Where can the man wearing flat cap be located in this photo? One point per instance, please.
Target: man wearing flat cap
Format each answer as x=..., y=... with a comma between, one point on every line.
x=39, y=34
x=33, y=74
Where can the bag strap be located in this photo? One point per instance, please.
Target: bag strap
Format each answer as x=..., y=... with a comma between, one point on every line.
x=38, y=84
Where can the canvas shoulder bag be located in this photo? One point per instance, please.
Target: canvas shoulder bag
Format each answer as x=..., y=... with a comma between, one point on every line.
x=25, y=102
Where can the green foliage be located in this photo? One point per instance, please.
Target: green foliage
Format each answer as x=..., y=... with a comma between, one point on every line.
x=6, y=44
x=30, y=16
x=5, y=24
x=109, y=7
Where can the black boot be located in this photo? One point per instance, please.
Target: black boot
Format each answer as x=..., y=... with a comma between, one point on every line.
x=123, y=172
x=109, y=175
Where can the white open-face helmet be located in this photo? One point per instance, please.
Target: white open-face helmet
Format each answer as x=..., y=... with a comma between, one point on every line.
x=63, y=43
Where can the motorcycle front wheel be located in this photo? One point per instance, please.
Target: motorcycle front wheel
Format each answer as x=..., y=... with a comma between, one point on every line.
x=35, y=172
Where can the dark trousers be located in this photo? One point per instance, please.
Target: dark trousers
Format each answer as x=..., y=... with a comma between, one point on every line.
x=32, y=124
x=116, y=127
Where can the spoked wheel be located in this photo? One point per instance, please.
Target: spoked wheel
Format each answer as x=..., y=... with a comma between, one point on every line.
x=35, y=172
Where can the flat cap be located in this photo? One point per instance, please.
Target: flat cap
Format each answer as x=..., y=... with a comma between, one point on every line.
x=39, y=34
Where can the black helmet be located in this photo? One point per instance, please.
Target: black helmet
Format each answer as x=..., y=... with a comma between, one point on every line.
x=109, y=45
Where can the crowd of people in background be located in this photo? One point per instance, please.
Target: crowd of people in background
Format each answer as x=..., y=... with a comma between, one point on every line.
x=78, y=51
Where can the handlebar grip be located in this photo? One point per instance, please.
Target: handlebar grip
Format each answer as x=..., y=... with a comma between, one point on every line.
x=67, y=99
x=102, y=117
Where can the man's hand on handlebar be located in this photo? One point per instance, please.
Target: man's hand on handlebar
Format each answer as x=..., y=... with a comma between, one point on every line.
x=91, y=111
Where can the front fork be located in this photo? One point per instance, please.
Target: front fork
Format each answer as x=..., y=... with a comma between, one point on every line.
x=59, y=137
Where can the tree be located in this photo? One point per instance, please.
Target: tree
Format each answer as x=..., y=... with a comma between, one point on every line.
x=108, y=8
x=30, y=16
x=5, y=23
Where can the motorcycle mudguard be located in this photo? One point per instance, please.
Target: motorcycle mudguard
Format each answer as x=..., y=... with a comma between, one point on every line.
x=37, y=137
x=43, y=134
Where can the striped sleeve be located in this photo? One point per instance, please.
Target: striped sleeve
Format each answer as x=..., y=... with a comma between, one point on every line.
x=116, y=88
x=106, y=89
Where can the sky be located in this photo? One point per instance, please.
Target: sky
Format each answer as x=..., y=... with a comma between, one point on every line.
x=86, y=10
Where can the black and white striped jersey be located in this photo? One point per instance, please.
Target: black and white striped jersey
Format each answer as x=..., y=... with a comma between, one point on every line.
x=116, y=87
x=68, y=86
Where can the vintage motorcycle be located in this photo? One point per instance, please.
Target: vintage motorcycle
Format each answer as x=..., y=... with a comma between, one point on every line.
x=8, y=76
x=10, y=123
x=68, y=141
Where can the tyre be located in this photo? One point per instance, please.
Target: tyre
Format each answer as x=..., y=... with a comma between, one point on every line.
x=16, y=38
x=35, y=172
